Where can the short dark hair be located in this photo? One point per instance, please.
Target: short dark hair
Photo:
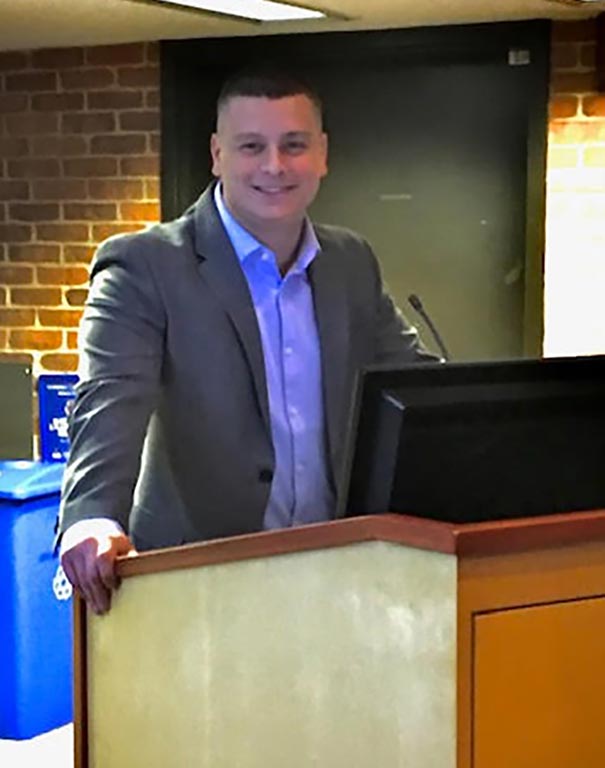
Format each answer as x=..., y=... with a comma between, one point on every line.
x=269, y=82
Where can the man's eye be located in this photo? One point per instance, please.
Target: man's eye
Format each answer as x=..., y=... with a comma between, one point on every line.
x=251, y=147
x=295, y=147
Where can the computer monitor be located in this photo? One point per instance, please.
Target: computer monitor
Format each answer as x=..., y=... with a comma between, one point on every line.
x=481, y=441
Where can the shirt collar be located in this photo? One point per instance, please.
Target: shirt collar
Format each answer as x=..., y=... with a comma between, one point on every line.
x=246, y=245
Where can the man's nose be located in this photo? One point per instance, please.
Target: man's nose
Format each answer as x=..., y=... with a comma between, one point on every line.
x=273, y=161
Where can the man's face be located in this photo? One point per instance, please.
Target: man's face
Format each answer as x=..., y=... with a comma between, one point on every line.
x=270, y=155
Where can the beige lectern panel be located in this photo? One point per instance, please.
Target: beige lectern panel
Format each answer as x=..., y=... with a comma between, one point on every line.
x=342, y=657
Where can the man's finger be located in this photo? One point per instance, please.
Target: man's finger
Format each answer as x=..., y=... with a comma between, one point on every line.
x=105, y=567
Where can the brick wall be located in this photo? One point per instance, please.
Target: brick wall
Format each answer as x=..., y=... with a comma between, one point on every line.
x=575, y=202
x=79, y=161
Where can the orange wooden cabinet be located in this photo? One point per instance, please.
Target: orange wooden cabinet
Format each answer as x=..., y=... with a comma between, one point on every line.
x=387, y=641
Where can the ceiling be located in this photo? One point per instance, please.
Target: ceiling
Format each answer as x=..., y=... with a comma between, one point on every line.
x=57, y=23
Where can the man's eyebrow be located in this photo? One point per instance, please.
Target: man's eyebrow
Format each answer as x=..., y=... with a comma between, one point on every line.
x=248, y=135
x=288, y=134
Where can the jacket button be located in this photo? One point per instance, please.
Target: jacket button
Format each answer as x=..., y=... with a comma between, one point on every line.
x=265, y=475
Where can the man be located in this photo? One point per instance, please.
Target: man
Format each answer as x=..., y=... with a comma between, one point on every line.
x=219, y=351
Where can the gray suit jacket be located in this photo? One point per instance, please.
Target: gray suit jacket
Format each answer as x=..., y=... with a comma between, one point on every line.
x=170, y=430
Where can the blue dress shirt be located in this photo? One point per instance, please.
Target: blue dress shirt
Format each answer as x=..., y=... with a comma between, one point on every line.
x=300, y=491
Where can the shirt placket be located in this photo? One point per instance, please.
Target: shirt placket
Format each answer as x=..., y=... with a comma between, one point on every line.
x=292, y=378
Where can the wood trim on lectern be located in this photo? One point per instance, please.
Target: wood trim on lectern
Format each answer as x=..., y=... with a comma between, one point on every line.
x=80, y=684
x=471, y=539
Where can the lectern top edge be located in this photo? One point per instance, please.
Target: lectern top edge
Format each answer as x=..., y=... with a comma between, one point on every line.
x=472, y=539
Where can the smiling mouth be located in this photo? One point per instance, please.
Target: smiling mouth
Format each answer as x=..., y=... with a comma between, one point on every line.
x=273, y=190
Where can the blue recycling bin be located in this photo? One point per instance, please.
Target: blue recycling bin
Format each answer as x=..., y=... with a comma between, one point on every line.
x=35, y=609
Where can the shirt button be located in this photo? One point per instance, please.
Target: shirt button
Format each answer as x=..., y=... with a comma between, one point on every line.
x=293, y=411
x=265, y=475
x=287, y=350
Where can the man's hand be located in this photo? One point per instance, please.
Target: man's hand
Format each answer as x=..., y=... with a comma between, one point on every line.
x=90, y=567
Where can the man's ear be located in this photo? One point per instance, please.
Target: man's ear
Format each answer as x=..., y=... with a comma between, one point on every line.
x=215, y=152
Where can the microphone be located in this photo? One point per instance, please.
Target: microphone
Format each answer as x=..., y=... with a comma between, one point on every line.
x=417, y=305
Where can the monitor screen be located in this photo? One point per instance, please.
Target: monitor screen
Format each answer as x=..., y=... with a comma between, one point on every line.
x=481, y=441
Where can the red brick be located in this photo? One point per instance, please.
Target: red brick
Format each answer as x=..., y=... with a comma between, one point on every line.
x=3, y=338
x=13, y=60
x=62, y=275
x=577, y=132
x=13, y=102
x=152, y=98
x=139, y=211
x=3, y=296
x=76, y=297
x=15, y=233
x=36, y=168
x=59, y=362
x=59, y=146
x=91, y=166
x=88, y=122
x=13, y=147
x=15, y=275
x=118, y=145
x=16, y=357
x=139, y=77
x=153, y=52
x=78, y=254
x=588, y=55
x=89, y=211
x=130, y=53
x=564, y=55
x=63, y=233
x=95, y=77
x=568, y=31
x=17, y=318
x=39, y=340
x=31, y=123
x=114, y=99
x=594, y=157
x=562, y=107
x=563, y=157
x=574, y=82
x=14, y=190
x=72, y=340
x=140, y=121
x=58, y=58
x=154, y=143
x=34, y=211
x=103, y=231
x=34, y=252
x=36, y=297
x=594, y=106
x=32, y=81
x=51, y=102
x=114, y=189
x=140, y=166
x=59, y=189
x=63, y=318
x=152, y=189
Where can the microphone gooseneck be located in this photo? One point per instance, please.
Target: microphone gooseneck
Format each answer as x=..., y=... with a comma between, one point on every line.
x=418, y=307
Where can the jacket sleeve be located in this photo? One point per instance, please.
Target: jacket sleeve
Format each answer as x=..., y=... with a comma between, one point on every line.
x=396, y=341
x=121, y=348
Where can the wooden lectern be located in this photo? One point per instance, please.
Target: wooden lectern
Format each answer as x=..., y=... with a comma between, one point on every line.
x=377, y=642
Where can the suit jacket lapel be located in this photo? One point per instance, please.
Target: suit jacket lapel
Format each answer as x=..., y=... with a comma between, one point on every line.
x=221, y=270
x=332, y=313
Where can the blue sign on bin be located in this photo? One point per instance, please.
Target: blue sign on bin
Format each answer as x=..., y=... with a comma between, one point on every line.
x=56, y=393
